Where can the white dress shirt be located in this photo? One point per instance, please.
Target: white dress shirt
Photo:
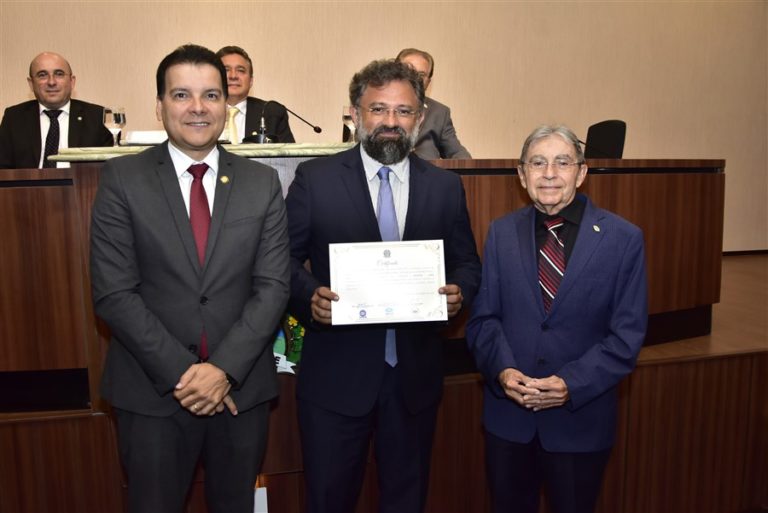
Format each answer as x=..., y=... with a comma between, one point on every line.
x=45, y=125
x=181, y=163
x=398, y=180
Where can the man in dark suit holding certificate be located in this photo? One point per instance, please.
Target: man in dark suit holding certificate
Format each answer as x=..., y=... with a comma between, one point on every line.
x=189, y=264
x=32, y=131
x=378, y=381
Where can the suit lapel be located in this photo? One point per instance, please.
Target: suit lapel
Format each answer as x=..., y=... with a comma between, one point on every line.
x=588, y=240
x=417, y=200
x=224, y=182
x=526, y=235
x=32, y=122
x=170, y=185
x=75, y=137
x=358, y=193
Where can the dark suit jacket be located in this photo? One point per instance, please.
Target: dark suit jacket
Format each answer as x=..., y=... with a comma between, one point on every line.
x=437, y=137
x=275, y=119
x=590, y=338
x=329, y=202
x=20, y=141
x=149, y=288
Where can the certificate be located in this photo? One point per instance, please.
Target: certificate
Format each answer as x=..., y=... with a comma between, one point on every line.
x=382, y=282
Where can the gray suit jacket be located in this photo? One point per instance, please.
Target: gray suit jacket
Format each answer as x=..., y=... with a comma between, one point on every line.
x=437, y=137
x=150, y=289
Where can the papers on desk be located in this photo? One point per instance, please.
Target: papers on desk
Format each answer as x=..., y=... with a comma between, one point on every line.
x=143, y=137
x=384, y=282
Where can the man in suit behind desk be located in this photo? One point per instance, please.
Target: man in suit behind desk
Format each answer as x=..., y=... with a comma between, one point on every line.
x=558, y=322
x=25, y=127
x=380, y=381
x=189, y=265
x=250, y=110
x=437, y=136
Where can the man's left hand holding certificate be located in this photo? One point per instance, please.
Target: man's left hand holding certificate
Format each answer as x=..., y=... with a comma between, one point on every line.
x=385, y=282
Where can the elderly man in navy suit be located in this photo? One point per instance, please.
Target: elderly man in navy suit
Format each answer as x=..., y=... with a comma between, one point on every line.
x=26, y=138
x=377, y=381
x=189, y=264
x=558, y=322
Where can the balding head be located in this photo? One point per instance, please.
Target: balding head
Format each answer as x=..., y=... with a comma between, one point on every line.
x=51, y=80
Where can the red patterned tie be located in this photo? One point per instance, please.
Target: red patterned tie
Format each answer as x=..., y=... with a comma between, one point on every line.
x=200, y=218
x=551, y=262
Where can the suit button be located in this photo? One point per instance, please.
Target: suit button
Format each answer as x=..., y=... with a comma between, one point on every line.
x=544, y=326
x=192, y=348
x=541, y=361
x=204, y=300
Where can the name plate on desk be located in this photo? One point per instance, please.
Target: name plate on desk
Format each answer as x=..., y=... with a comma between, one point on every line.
x=384, y=282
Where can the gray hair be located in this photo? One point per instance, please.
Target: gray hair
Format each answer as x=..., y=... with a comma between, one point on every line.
x=560, y=130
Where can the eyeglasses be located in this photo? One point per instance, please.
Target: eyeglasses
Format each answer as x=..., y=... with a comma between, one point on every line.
x=400, y=112
x=44, y=76
x=543, y=165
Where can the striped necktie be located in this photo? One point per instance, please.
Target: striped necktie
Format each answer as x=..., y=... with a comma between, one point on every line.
x=52, y=139
x=551, y=262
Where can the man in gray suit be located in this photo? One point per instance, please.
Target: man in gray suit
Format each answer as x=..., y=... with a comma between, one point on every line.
x=437, y=137
x=190, y=270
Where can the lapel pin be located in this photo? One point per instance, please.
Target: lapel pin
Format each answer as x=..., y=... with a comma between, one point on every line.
x=595, y=227
x=224, y=179
x=79, y=118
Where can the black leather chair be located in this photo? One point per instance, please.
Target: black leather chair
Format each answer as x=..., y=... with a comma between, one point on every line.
x=605, y=140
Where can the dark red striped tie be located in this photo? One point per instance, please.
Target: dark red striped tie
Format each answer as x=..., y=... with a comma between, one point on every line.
x=551, y=262
x=200, y=218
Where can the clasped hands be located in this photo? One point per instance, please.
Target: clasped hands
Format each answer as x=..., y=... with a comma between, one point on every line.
x=533, y=393
x=204, y=390
x=322, y=297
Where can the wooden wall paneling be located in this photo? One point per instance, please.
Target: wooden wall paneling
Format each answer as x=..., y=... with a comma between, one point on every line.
x=457, y=478
x=686, y=436
x=681, y=215
x=755, y=485
x=63, y=464
x=42, y=302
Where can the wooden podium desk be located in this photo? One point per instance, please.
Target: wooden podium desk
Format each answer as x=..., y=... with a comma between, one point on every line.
x=57, y=445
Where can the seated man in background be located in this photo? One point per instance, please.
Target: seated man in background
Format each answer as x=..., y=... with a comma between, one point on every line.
x=34, y=130
x=247, y=110
x=437, y=137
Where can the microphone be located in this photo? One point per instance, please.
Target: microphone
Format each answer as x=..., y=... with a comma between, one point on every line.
x=316, y=128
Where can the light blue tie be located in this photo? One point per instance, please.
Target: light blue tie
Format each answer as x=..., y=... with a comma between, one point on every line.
x=389, y=231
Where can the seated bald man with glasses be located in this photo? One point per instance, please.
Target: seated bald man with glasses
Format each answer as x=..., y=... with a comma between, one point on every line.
x=26, y=138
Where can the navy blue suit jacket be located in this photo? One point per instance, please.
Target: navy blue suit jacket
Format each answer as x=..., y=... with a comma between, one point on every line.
x=329, y=202
x=590, y=338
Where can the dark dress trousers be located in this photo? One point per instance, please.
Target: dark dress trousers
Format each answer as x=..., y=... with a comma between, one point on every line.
x=342, y=370
x=20, y=140
x=156, y=298
x=275, y=119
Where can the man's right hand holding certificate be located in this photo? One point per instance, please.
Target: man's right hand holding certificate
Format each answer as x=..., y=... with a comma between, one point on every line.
x=321, y=302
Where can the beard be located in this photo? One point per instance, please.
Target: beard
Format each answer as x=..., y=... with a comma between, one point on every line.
x=385, y=150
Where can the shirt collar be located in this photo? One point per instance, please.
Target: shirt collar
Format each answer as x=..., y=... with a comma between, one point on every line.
x=571, y=213
x=241, y=106
x=372, y=166
x=182, y=161
x=63, y=108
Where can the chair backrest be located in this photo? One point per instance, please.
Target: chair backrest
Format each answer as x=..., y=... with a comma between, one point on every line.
x=605, y=140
